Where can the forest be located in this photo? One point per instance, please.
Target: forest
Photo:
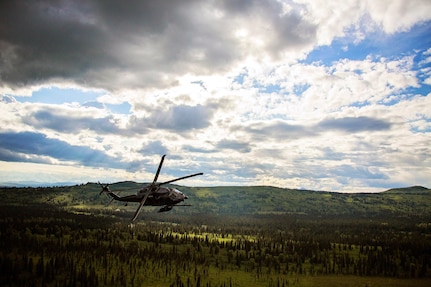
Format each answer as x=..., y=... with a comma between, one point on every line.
x=49, y=237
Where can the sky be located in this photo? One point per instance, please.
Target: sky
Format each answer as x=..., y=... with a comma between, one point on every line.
x=304, y=94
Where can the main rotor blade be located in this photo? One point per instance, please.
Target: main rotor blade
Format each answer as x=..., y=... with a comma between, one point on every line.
x=180, y=178
x=141, y=204
x=158, y=170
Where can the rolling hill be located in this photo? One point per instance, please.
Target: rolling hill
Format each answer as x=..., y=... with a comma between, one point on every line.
x=239, y=200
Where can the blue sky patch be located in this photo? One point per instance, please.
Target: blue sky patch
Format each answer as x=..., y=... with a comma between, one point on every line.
x=54, y=95
x=376, y=44
x=123, y=108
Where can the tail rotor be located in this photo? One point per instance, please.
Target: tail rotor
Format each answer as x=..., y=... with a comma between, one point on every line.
x=107, y=191
x=105, y=188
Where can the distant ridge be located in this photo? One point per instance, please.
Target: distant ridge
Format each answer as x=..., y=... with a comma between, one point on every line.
x=240, y=200
x=35, y=184
x=409, y=190
x=401, y=190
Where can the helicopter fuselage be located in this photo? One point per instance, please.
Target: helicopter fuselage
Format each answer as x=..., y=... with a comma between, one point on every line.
x=161, y=196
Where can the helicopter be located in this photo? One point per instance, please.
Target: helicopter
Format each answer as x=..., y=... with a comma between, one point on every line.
x=153, y=194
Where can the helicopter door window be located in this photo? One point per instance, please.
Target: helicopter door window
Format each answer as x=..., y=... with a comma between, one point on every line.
x=172, y=195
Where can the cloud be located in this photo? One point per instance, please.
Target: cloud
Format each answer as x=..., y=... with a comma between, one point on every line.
x=67, y=121
x=277, y=130
x=155, y=147
x=242, y=147
x=398, y=15
x=181, y=118
x=356, y=19
x=275, y=25
x=193, y=149
x=354, y=125
x=152, y=44
x=11, y=156
x=36, y=44
x=282, y=131
x=22, y=146
x=356, y=172
x=143, y=43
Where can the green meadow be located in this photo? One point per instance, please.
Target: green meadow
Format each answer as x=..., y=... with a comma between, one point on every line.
x=231, y=236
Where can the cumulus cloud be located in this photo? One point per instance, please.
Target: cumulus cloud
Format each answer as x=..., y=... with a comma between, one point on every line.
x=395, y=16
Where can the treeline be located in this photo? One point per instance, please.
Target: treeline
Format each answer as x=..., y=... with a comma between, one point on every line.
x=44, y=246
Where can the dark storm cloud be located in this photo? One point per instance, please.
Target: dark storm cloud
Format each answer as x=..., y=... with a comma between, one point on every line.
x=45, y=39
x=23, y=146
x=354, y=125
x=113, y=44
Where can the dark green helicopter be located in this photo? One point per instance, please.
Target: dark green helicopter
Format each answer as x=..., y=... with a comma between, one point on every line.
x=153, y=194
